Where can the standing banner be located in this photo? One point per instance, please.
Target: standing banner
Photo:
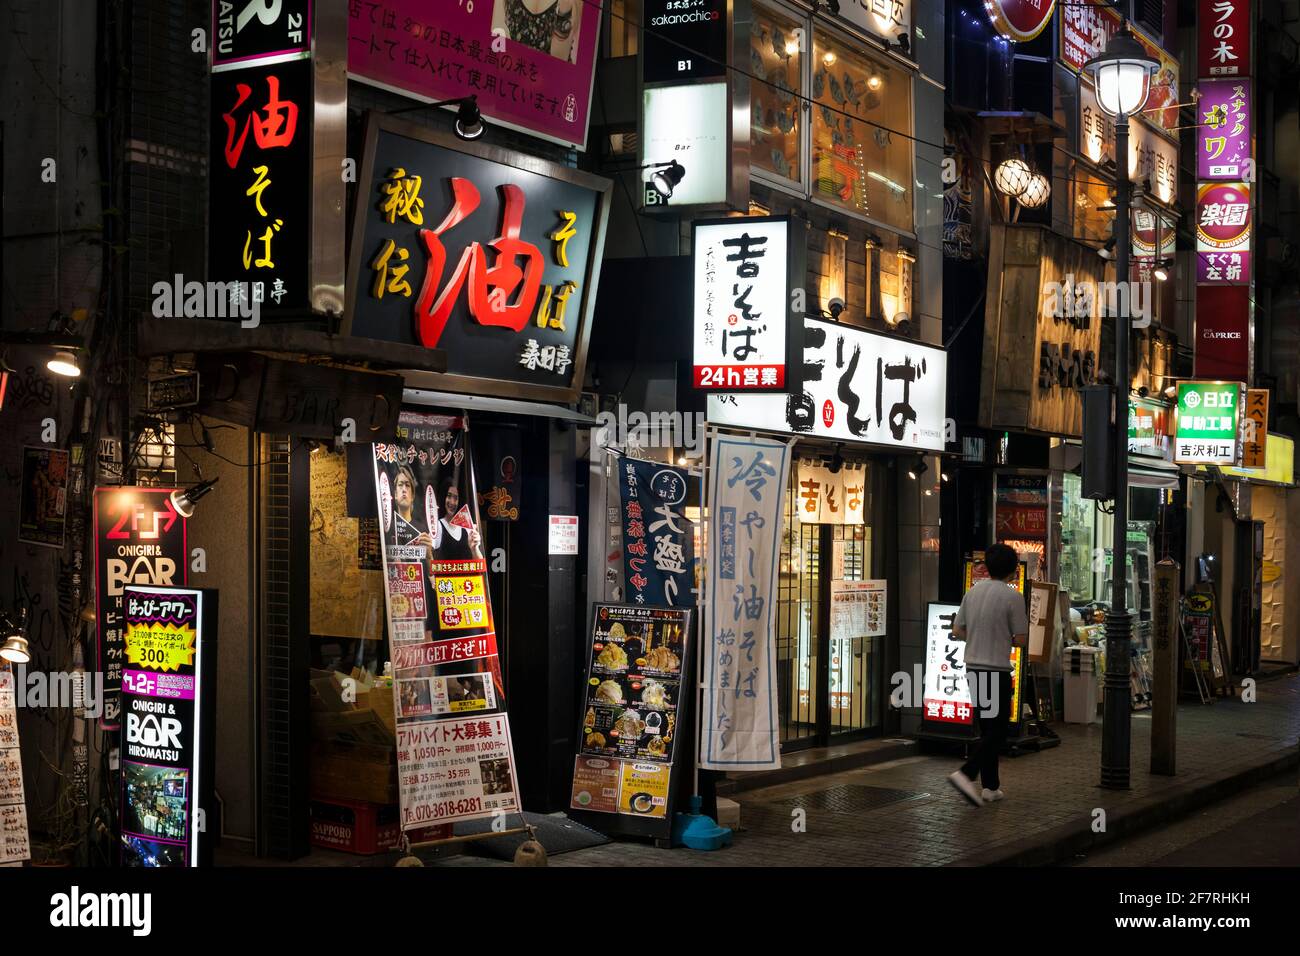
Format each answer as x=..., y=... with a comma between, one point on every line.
x=658, y=539
x=14, y=844
x=43, y=509
x=454, y=756
x=739, y=729
x=139, y=539
x=169, y=699
x=634, y=706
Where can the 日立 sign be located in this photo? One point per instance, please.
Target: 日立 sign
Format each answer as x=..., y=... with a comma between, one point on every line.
x=1207, y=426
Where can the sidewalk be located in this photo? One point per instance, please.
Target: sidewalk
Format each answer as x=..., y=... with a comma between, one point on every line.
x=904, y=813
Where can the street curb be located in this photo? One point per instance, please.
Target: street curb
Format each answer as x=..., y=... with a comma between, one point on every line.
x=1061, y=844
x=819, y=768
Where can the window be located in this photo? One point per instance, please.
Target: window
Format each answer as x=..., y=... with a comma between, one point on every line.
x=829, y=118
x=622, y=24
x=861, y=153
x=776, y=62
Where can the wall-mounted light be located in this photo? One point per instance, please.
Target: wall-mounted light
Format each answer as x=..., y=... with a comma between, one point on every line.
x=917, y=469
x=1161, y=270
x=64, y=363
x=829, y=57
x=1107, y=251
x=668, y=176
x=14, y=648
x=183, y=501
x=469, y=120
x=875, y=81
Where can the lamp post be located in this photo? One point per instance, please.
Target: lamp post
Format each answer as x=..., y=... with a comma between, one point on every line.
x=1121, y=77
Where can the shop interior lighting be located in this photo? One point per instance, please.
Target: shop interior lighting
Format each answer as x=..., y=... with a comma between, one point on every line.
x=183, y=501
x=887, y=181
x=875, y=81
x=64, y=363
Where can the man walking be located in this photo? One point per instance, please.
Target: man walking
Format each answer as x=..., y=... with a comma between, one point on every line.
x=991, y=618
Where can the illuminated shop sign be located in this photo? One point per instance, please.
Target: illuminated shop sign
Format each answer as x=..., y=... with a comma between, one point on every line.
x=1223, y=233
x=1208, y=423
x=1223, y=38
x=488, y=255
x=1020, y=20
x=1223, y=144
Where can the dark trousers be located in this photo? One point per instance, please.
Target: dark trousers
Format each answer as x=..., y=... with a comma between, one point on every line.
x=991, y=694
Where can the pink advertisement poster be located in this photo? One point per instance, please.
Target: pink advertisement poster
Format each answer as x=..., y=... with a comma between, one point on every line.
x=529, y=62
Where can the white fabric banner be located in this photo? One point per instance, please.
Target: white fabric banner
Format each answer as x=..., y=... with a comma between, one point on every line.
x=747, y=488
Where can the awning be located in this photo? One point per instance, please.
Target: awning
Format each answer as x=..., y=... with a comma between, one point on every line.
x=509, y=406
x=1152, y=473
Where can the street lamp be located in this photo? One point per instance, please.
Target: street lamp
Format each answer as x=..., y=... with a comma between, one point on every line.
x=1121, y=77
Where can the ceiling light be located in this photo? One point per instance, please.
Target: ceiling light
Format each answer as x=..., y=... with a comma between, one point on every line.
x=829, y=57
x=64, y=363
x=875, y=82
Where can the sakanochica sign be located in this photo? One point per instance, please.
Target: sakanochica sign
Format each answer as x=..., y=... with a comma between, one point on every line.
x=1208, y=422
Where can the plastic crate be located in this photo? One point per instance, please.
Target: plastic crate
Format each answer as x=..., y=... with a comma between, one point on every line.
x=354, y=826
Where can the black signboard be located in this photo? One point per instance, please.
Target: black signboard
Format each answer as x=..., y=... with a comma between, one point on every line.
x=636, y=703
x=245, y=31
x=259, y=190
x=684, y=40
x=174, y=391
x=168, y=695
x=140, y=540
x=484, y=253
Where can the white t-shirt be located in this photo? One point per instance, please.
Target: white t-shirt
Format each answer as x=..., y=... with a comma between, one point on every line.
x=992, y=612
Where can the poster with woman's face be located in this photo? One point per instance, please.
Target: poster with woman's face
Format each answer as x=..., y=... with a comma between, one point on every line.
x=548, y=26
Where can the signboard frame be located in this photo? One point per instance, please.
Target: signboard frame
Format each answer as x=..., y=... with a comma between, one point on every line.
x=684, y=749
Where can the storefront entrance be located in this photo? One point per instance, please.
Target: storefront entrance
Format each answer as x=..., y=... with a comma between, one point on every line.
x=830, y=682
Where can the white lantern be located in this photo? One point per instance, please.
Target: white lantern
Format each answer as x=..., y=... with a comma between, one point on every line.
x=1012, y=177
x=1036, y=192
x=1122, y=75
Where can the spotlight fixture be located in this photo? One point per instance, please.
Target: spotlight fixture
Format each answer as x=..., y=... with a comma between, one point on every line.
x=1107, y=251
x=791, y=47
x=64, y=363
x=945, y=475
x=837, y=460
x=836, y=308
x=668, y=176
x=469, y=120
x=14, y=648
x=917, y=469
x=875, y=82
x=1161, y=271
x=905, y=44
x=1171, y=391
x=1012, y=177
x=183, y=501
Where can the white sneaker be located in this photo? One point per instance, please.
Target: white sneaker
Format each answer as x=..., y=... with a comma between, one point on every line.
x=966, y=786
x=992, y=796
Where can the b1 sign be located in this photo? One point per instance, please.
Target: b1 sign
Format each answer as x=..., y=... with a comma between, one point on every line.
x=741, y=303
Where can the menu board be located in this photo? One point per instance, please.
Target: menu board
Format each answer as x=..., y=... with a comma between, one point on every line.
x=858, y=609
x=632, y=710
x=14, y=845
x=947, y=695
